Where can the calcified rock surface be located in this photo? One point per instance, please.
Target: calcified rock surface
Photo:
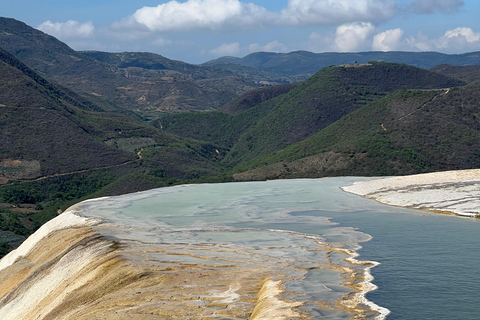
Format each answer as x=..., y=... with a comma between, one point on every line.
x=73, y=272
x=188, y=267
x=456, y=192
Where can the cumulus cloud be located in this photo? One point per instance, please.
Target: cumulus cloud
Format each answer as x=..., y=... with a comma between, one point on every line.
x=349, y=37
x=430, y=6
x=68, y=30
x=355, y=22
x=389, y=40
x=227, y=49
x=420, y=42
x=459, y=39
x=274, y=46
x=220, y=14
x=196, y=14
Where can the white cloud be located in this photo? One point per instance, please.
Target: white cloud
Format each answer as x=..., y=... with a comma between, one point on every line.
x=465, y=33
x=68, y=30
x=389, y=40
x=349, y=37
x=274, y=46
x=196, y=14
x=459, y=39
x=221, y=14
x=420, y=42
x=430, y=6
x=227, y=49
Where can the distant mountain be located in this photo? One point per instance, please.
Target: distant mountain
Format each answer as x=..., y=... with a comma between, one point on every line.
x=405, y=132
x=161, y=84
x=150, y=65
x=260, y=76
x=303, y=64
x=140, y=82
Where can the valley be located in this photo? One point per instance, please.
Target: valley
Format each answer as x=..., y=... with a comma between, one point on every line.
x=82, y=124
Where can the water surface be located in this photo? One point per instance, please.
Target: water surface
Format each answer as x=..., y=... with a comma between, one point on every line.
x=290, y=230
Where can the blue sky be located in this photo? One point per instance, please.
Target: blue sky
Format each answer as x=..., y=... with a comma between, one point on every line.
x=196, y=31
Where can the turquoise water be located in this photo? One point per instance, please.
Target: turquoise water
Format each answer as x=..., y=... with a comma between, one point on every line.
x=429, y=262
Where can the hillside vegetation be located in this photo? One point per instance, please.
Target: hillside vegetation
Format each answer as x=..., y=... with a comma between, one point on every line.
x=311, y=106
x=252, y=98
x=140, y=82
x=77, y=125
x=406, y=132
x=468, y=74
x=41, y=120
x=225, y=127
x=58, y=148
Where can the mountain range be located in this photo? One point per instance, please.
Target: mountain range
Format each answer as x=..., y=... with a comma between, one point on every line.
x=122, y=80
x=77, y=125
x=300, y=65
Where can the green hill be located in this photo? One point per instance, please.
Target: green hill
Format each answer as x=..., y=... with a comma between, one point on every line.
x=404, y=133
x=252, y=98
x=225, y=127
x=273, y=124
x=40, y=126
x=323, y=99
x=468, y=74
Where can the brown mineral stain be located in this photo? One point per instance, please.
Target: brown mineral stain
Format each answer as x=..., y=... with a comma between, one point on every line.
x=101, y=277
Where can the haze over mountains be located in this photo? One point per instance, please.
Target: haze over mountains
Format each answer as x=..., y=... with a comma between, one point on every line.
x=76, y=125
x=299, y=65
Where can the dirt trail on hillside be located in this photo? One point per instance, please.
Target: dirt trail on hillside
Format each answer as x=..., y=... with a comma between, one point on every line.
x=139, y=155
x=423, y=105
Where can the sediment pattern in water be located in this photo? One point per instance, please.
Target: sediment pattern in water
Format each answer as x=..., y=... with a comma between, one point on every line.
x=86, y=264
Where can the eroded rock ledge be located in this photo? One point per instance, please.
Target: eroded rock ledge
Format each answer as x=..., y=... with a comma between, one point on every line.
x=454, y=192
